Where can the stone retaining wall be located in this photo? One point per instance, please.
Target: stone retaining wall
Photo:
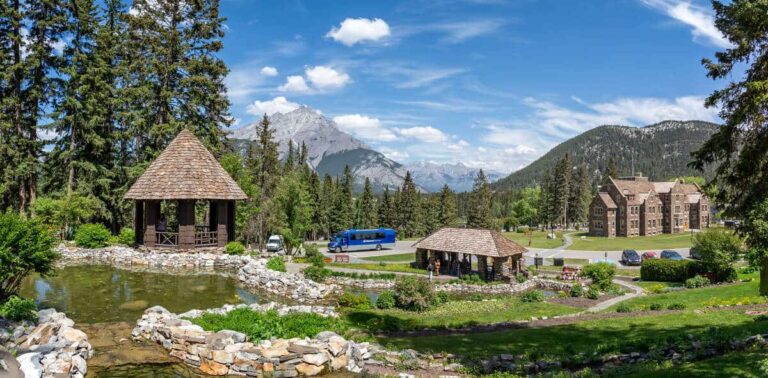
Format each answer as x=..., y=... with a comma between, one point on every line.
x=280, y=308
x=228, y=352
x=511, y=288
x=51, y=347
x=293, y=285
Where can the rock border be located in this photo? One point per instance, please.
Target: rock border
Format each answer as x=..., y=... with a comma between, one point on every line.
x=510, y=288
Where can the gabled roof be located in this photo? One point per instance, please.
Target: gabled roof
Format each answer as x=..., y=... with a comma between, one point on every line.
x=185, y=170
x=470, y=241
x=607, y=200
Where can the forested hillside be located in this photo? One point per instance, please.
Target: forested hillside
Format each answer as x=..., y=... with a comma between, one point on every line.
x=659, y=151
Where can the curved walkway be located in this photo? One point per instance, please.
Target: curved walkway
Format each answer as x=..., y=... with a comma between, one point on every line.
x=636, y=292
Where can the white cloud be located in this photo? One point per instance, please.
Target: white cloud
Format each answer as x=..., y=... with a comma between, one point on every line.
x=358, y=30
x=268, y=71
x=276, y=105
x=323, y=77
x=698, y=18
x=410, y=76
x=454, y=32
x=520, y=149
x=397, y=155
x=364, y=127
x=426, y=134
x=294, y=83
x=242, y=82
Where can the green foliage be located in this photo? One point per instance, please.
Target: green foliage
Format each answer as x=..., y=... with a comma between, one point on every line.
x=276, y=263
x=291, y=210
x=366, y=216
x=623, y=308
x=656, y=307
x=60, y=213
x=18, y=309
x=386, y=300
x=266, y=325
x=311, y=250
x=26, y=246
x=126, y=236
x=520, y=278
x=92, y=235
x=532, y=296
x=697, y=281
x=577, y=290
x=593, y=293
x=668, y=270
x=317, y=273
x=719, y=249
x=755, y=226
x=601, y=273
x=413, y=293
x=440, y=298
x=657, y=289
x=408, y=209
x=676, y=306
x=234, y=248
x=364, y=276
x=355, y=301
x=479, y=210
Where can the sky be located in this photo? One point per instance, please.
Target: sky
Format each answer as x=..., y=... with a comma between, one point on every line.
x=492, y=84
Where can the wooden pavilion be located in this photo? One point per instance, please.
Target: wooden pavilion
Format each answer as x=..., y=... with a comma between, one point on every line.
x=185, y=173
x=454, y=248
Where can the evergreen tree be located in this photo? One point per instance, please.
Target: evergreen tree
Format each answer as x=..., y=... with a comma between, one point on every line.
x=289, y=164
x=447, y=207
x=386, y=210
x=611, y=171
x=430, y=214
x=408, y=207
x=545, y=201
x=315, y=199
x=561, y=190
x=344, y=210
x=292, y=210
x=479, y=211
x=326, y=206
x=580, y=196
x=267, y=163
x=366, y=209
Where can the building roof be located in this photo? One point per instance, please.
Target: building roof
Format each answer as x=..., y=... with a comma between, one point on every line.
x=664, y=186
x=607, y=200
x=470, y=241
x=185, y=170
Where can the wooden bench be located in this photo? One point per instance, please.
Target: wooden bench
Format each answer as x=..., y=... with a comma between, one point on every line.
x=342, y=258
x=571, y=273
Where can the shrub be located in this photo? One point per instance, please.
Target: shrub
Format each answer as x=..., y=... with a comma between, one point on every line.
x=276, y=263
x=656, y=306
x=355, y=301
x=622, y=307
x=18, y=309
x=668, y=270
x=364, y=276
x=520, y=278
x=577, y=290
x=413, y=293
x=316, y=273
x=114, y=240
x=265, y=325
x=532, y=296
x=697, y=281
x=601, y=273
x=317, y=260
x=441, y=297
x=311, y=250
x=26, y=246
x=676, y=306
x=657, y=289
x=234, y=248
x=127, y=236
x=386, y=300
x=718, y=250
x=593, y=293
x=92, y=235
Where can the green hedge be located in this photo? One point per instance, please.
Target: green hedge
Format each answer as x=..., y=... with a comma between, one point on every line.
x=92, y=235
x=669, y=270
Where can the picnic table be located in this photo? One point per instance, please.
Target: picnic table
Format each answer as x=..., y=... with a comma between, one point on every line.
x=342, y=258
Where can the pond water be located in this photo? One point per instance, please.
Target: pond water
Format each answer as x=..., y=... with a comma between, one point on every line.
x=95, y=294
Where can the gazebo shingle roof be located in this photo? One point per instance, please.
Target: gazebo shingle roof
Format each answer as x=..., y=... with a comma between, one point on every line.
x=185, y=170
x=471, y=241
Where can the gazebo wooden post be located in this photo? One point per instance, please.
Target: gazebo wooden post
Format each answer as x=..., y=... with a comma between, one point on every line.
x=185, y=213
x=230, y=219
x=151, y=213
x=138, y=222
x=482, y=266
x=220, y=225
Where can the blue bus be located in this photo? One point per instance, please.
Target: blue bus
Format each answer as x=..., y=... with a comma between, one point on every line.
x=361, y=240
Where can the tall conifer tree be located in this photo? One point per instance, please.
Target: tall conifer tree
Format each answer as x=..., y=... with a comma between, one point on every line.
x=366, y=209
x=479, y=211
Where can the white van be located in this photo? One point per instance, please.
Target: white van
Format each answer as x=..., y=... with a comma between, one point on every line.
x=275, y=243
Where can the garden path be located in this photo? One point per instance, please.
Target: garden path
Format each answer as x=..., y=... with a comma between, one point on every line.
x=636, y=292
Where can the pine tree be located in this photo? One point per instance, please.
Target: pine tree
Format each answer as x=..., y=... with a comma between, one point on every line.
x=580, y=196
x=315, y=199
x=386, y=210
x=292, y=211
x=289, y=162
x=366, y=208
x=326, y=206
x=545, y=201
x=479, y=211
x=560, y=190
x=267, y=163
x=447, y=207
x=611, y=171
x=409, y=209
x=430, y=214
x=344, y=209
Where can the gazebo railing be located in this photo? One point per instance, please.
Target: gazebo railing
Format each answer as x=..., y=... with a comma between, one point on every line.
x=206, y=238
x=167, y=239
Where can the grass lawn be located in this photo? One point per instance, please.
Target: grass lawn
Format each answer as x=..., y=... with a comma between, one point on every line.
x=640, y=243
x=400, y=257
x=740, y=364
x=538, y=239
x=457, y=314
x=403, y=268
x=601, y=335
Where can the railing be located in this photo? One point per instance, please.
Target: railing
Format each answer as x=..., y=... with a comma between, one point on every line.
x=206, y=238
x=167, y=239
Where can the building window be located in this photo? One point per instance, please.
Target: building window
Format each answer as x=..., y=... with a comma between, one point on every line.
x=677, y=209
x=598, y=210
x=599, y=225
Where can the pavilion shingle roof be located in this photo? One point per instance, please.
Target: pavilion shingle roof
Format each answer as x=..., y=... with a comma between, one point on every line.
x=471, y=241
x=185, y=170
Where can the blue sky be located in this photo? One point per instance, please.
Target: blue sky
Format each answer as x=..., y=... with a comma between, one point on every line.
x=490, y=83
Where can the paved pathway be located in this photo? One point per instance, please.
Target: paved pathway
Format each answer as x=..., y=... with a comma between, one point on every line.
x=636, y=292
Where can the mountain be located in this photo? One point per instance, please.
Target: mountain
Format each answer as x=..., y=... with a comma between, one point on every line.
x=459, y=177
x=660, y=151
x=328, y=148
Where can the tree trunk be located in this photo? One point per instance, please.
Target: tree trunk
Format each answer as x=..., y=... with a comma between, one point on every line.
x=764, y=277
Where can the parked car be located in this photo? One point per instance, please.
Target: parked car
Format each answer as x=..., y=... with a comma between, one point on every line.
x=694, y=253
x=670, y=255
x=275, y=243
x=630, y=257
x=649, y=255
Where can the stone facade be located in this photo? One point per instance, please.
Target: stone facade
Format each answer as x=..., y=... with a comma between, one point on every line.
x=634, y=206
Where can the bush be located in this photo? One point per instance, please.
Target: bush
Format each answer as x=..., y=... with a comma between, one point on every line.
x=276, y=263
x=532, y=296
x=386, y=300
x=676, y=306
x=669, y=270
x=127, y=236
x=26, y=246
x=577, y=290
x=355, y=301
x=364, y=276
x=413, y=293
x=92, y=235
x=697, y=281
x=265, y=325
x=316, y=273
x=311, y=250
x=657, y=289
x=234, y=248
x=18, y=309
x=656, y=307
x=601, y=273
x=622, y=307
x=317, y=260
x=718, y=250
x=441, y=297
x=520, y=278
x=593, y=293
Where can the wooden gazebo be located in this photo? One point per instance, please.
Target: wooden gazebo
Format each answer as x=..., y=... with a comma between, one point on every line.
x=454, y=248
x=185, y=173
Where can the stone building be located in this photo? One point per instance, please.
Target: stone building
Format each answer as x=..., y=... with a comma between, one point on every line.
x=634, y=206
